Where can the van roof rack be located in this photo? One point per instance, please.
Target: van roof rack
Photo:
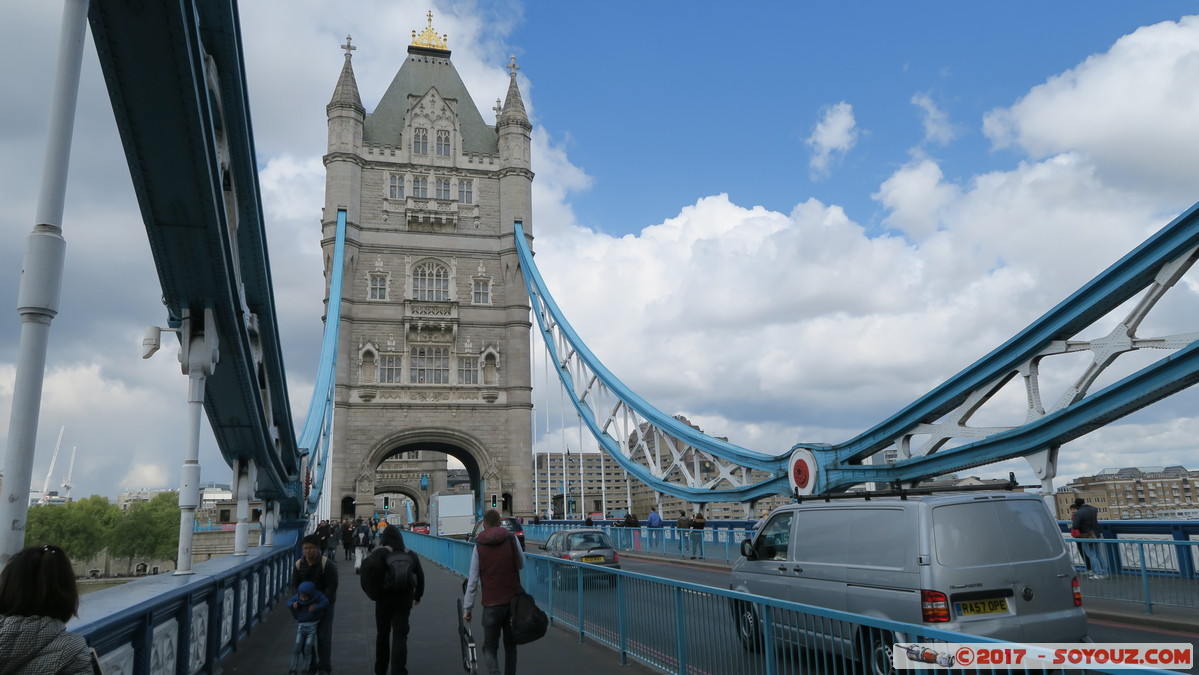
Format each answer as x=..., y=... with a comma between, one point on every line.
x=903, y=493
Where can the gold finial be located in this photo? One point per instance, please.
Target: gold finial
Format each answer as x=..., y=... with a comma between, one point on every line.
x=429, y=38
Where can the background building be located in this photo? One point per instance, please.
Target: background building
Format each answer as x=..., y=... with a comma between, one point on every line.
x=1132, y=493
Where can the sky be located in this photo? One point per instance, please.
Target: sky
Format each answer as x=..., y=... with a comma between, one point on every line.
x=785, y=221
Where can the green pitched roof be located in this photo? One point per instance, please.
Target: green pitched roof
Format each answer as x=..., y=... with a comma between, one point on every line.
x=428, y=69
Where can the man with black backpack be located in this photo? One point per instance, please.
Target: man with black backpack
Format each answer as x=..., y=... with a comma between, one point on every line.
x=495, y=562
x=392, y=577
x=322, y=572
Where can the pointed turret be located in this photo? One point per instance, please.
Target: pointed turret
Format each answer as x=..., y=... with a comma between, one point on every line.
x=513, y=126
x=343, y=177
x=345, y=94
x=514, y=105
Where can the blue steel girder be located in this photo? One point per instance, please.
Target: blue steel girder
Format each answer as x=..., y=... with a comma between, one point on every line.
x=316, y=435
x=176, y=80
x=941, y=416
x=653, y=447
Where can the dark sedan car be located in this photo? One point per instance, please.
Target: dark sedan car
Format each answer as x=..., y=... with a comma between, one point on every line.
x=513, y=525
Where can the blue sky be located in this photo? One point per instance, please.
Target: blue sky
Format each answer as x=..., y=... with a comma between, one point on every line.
x=671, y=86
x=783, y=220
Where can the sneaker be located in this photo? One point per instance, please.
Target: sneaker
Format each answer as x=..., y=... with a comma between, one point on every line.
x=1098, y=577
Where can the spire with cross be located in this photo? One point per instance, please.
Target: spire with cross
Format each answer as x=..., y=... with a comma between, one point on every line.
x=512, y=67
x=348, y=47
x=498, y=109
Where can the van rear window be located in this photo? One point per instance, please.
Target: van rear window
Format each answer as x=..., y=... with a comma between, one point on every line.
x=979, y=533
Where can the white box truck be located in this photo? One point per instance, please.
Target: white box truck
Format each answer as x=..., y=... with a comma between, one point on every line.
x=452, y=515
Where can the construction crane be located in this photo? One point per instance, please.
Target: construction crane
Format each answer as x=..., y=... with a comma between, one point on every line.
x=66, y=480
x=45, y=498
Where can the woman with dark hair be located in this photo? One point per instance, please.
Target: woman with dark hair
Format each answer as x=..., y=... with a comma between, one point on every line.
x=37, y=598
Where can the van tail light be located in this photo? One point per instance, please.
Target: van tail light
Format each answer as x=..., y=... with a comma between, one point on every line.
x=1077, y=592
x=615, y=557
x=934, y=607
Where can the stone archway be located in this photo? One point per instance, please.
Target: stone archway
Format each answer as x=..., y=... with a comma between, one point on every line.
x=396, y=516
x=480, y=466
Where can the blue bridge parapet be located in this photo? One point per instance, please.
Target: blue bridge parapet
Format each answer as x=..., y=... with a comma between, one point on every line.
x=168, y=624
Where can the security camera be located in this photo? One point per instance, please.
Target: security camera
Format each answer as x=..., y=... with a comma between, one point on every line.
x=151, y=341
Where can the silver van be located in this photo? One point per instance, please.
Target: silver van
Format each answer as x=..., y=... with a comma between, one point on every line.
x=983, y=563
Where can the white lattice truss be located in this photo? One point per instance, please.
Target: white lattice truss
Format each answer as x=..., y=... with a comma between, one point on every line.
x=1105, y=350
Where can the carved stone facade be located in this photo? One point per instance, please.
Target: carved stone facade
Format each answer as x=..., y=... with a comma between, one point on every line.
x=434, y=341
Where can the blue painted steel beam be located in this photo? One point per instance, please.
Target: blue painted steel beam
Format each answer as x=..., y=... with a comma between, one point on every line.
x=152, y=55
x=314, y=437
x=1107, y=291
x=775, y=465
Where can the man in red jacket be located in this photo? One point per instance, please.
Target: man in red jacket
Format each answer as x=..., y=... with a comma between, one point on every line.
x=496, y=562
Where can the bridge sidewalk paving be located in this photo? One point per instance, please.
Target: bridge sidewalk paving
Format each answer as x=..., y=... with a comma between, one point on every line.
x=432, y=642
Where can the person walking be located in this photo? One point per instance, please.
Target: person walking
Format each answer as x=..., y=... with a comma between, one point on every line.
x=394, y=598
x=697, y=535
x=1086, y=521
x=364, y=537
x=654, y=522
x=322, y=572
x=347, y=538
x=37, y=597
x=682, y=527
x=495, y=563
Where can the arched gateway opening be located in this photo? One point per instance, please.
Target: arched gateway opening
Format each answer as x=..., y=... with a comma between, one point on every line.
x=403, y=475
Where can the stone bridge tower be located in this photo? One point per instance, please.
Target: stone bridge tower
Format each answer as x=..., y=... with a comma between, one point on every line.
x=434, y=351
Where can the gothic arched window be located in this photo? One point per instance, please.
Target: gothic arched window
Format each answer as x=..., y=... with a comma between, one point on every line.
x=431, y=282
x=420, y=142
x=429, y=365
x=443, y=143
x=420, y=187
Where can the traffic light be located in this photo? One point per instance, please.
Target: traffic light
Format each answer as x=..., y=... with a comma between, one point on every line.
x=386, y=503
x=495, y=501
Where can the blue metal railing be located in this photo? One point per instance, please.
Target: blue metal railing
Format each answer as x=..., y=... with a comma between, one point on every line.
x=680, y=627
x=187, y=623
x=1150, y=571
x=714, y=544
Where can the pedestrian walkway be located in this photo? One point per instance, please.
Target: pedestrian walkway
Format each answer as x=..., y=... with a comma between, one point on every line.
x=432, y=643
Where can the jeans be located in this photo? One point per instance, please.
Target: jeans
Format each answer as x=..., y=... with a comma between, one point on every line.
x=1095, y=555
x=684, y=542
x=697, y=543
x=324, y=641
x=495, y=621
x=391, y=637
x=303, y=656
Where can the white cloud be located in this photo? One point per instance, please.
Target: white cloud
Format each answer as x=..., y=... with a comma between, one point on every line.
x=1130, y=111
x=833, y=136
x=937, y=127
x=916, y=197
x=145, y=476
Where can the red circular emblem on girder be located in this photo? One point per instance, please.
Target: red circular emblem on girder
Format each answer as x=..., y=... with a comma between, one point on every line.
x=801, y=474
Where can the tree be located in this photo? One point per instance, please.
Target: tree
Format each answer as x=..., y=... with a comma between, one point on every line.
x=81, y=528
x=148, y=530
